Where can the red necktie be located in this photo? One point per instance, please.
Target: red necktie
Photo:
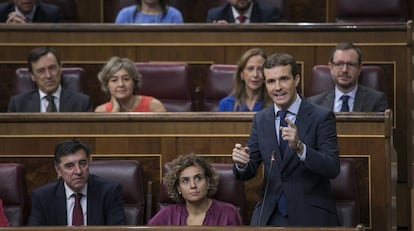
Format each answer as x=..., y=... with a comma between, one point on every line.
x=77, y=215
x=241, y=18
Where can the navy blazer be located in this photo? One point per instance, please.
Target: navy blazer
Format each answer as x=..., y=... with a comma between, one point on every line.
x=70, y=101
x=104, y=204
x=260, y=13
x=306, y=184
x=366, y=100
x=44, y=12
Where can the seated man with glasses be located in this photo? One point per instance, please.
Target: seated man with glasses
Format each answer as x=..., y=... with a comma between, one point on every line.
x=348, y=96
x=46, y=70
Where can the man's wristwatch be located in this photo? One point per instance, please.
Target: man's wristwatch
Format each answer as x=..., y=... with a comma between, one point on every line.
x=298, y=148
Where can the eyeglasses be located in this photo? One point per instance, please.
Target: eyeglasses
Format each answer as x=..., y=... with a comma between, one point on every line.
x=341, y=65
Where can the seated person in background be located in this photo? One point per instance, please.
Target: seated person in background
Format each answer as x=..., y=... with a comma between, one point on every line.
x=348, y=96
x=249, y=91
x=27, y=11
x=77, y=198
x=120, y=80
x=3, y=219
x=149, y=11
x=192, y=182
x=243, y=11
x=46, y=70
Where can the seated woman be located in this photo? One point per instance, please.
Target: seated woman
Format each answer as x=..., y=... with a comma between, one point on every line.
x=3, y=219
x=192, y=182
x=149, y=11
x=249, y=90
x=120, y=80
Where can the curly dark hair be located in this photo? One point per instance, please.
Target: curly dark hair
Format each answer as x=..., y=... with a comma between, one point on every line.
x=171, y=179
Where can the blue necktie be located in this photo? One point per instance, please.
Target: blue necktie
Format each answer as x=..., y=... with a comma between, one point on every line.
x=281, y=204
x=282, y=143
x=345, y=106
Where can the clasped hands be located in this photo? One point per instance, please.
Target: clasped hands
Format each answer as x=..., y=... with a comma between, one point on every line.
x=15, y=18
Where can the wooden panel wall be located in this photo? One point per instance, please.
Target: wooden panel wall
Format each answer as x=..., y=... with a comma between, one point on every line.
x=156, y=138
x=90, y=45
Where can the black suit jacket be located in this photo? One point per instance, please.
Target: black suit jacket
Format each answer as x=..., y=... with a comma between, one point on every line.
x=44, y=12
x=260, y=13
x=366, y=100
x=306, y=184
x=70, y=101
x=104, y=204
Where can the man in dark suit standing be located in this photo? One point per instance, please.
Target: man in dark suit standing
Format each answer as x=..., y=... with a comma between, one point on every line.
x=27, y=11
x=297, y=143
x=345, y=67
x=243, y=11
x=46, y=70
x=77, y=198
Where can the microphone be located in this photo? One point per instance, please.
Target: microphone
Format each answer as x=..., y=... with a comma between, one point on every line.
x=272, y=160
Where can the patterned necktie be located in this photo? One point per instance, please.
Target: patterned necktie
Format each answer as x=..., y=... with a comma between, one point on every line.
x=345, y=106
x=51, y=107
x=282, y=143
x=281, y=203
x=241, y=18
x=77, y=215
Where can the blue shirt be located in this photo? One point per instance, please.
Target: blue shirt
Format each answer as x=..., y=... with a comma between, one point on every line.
x=127, y=15
x=228, y=102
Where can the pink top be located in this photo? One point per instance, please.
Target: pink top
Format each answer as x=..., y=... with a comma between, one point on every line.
x=3, y=219
x=219, y=213
x=143, y=106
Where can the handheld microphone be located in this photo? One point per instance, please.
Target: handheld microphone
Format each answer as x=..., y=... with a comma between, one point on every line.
x=272, y=160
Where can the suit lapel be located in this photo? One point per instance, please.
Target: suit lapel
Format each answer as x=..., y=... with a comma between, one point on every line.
x=34, y=102
x=60, y=202
x=270, y=131
x=328, y=100
x=360, y=94
x=302, y=123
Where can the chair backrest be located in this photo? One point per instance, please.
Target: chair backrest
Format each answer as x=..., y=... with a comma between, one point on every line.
x=371, y=10
x=219, y=84
x=346, y=193
x=129, y=174
x=69, y=7
x=229, y=189
x=321, y=79
x=168, y=82
x=13, y=192
x=72, y=78
x=112, y=8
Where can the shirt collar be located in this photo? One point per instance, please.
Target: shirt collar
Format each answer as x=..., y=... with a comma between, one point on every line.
x=69, y=192
x=293, y=108
x=29, y=17
x=247, y=14
x=339, y=93
x=56, y=94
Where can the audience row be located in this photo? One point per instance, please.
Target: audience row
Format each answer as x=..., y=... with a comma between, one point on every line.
x=121, y=81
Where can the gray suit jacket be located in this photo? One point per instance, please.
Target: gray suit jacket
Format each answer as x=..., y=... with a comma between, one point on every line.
x=104, y=204
x=366, y=100
x=70, y=101
x=306, y=184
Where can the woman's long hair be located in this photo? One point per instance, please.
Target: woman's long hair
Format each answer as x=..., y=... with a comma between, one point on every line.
x=162, y=3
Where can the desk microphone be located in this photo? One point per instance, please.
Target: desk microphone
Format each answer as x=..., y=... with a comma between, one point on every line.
x=272, y=160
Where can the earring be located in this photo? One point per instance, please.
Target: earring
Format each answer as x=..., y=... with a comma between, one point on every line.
x=179, y=192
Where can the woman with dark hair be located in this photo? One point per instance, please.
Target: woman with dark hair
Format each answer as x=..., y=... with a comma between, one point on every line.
x=192, y=182
x=149, y=11
x=249, y=92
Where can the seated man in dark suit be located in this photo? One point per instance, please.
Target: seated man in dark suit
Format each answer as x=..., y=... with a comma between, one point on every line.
x=349, y=96
x=77, y=198
x=46, y=70
x=243, y=11
x=26, y=11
